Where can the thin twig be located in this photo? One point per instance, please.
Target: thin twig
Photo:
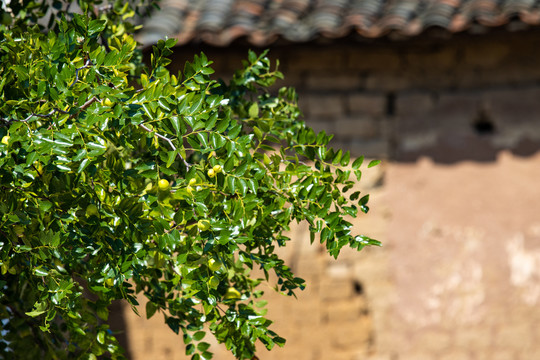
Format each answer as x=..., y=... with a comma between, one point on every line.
x=88, y=103
x=169, y=141
x=51, y=113
x=85, y=66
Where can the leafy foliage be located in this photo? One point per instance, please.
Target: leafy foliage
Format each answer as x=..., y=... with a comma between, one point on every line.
x=118, y=179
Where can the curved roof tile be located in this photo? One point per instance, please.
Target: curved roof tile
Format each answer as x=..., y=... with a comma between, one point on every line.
x=262, y=22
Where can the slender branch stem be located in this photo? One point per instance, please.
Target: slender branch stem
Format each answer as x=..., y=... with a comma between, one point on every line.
x=86, y=65
x=169, y=141
x=88, y=103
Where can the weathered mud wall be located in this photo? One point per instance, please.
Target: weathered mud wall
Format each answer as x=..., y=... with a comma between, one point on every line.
x=456, y=203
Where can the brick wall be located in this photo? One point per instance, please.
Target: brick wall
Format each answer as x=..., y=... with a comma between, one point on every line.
x=448, y=116
x=402, y=99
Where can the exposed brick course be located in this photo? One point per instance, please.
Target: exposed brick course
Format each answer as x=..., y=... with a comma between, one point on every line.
x=379, y=60
x=319, y=58
x=360, y=127
x=324, y=106
x=366, y=104
x=329, y=80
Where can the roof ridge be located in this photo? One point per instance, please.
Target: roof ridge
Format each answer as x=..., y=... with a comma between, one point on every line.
x=262, y=22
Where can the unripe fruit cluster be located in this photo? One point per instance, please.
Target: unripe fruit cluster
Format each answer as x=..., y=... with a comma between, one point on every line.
x=192, y=183
x=214, y=171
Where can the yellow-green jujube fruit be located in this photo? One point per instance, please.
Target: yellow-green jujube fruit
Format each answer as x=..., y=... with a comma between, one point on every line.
x=214, y=264
x=211, y=173
x=163, y=185
x=107, y=102
x=192, y=181
x=203, y=225
x=213, y=282
x=92, y=210
x=232, y=293
x=5, y=140
x=217, y=169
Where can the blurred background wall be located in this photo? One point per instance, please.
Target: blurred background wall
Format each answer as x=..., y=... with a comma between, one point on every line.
x=453, y=112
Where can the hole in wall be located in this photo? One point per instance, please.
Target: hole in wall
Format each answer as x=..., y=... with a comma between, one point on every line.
x=483, y=124
x=390, y=104
x=358, y=288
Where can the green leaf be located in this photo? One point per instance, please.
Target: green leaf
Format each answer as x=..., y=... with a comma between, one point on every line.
x=358, y=162
x=199, y=335
x=373, y=163
x=96, y=26
x=254, y=110
x=39, y=308
x=150, y=309
x=39, y=271
x=203, y=346
x=346, y=158
x=337, y=157
x=35, y=313
x=101, y=337
x=83, y=165
x=175, y=120
x=258, y=133
x=222, y=125
x=45, y=205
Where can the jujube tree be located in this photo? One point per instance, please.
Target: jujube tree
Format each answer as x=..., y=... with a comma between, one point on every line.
x=119, y=179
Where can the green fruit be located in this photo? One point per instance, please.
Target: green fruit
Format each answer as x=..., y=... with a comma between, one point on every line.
x=109, y=282
x=232, y=293
x=5, y=140
x=203, y=225
x=211, y=173
x=192, y=181
x=213, y=282
x=107, y=102
x=163, y=185
x=217, y=169
x=92, y=210
x=214, y=264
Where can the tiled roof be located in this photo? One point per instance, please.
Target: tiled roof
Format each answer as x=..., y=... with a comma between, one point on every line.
x=262, y=22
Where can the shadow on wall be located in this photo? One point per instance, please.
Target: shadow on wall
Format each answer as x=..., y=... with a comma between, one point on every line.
x=117, y=324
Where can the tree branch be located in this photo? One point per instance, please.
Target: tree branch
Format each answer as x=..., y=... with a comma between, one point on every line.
x=169, y=141
x=86, y=65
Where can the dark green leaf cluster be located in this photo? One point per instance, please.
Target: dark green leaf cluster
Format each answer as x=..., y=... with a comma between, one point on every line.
x=118, y=180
